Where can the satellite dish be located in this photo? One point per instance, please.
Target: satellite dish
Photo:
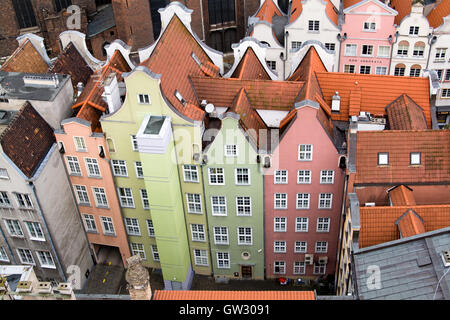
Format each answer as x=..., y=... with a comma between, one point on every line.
x=209, y=108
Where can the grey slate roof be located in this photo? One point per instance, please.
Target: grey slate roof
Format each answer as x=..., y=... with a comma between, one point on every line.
x=102, y=21
x=410, y=268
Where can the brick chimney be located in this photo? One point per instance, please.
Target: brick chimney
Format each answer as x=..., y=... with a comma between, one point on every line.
x=138, y=279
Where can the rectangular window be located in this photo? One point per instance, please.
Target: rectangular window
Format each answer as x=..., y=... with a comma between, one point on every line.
x=108, y=226
x=300, y=247
x=242, y=176
x=126, y=198
x=79, y=144
x=370, y=26
x=82, y=195
x=326, y=176
x=190, y=173
x=381, y=70
x=221, y=11
x=144, y=199
x=280, y=201
x=279, y=246
x=150, y=228
x=321, y=247
x=303, y=200
x=143, y=98
x=155, y=252
x=313, y=25
x=134, y=143
x=132, y=227
x=45, y=259
x=216, y=176
x=299, y=267
x=383, y=158
x=25, y=256
x=296, y=44
x=89, y=223
x=418, y=51
x=14, y=228
x=447, y=75
x=351, y=49
x=364, y=69
x=272, y=64
x=304, y=176
x=120, y=168
x=243, y=206
x=349, y=68
x=440, y=54
x=330, y=46
x=4, y=199
x=245, y=236
x=279, y=267
x=413, y=30
x=319, y=268
x=414, y=158
x=305, y=152
x=73, y=165
x=223, y=260
x=323, y=225
x=367, y=50
x=3, y=255
x=100, y=197
x=301, y=224
x=24, y=201
x=439, y=73
x=384, y=51
x=325, y=200
x=139, y=170
x=4, y=173
x=220, y=235
x=402, y=50
x=445, y=93
x=194, y=203
x=138, y=248
x=200, y=257
x=35, y=231
x=280, y=177
x=279, y=224
x=414, y=72
x=231, y=150
x=92, y=167
x=399, y=71
x=219, y=205
x=198, y=232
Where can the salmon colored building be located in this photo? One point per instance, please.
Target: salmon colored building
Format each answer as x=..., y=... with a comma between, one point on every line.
x=86, y=155
x=366, y=37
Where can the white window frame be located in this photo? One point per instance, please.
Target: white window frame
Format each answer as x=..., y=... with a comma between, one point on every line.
x=198, y=232
x=80, y=144
x=280, y=201
x=369, y=26
x=233, y=148
x=216, y=176
x=301, y=199
x=138, y=169
x=194, y=203
x=144, y=199
x=23, y=200
x=383, y=158
x=365, y=68
x=188, y=171
x=3, y=255
x=134, y=143
x=150, y=228
x=349, y=68
x=141, y=98
x=279, y=246
x=368, y=48
x=223, y=260
x=45, y=259
x=281, y=265
x=82, y=190
x=381, y=70
x=200, y=257
x=92, y=163
x=132, y=226
x=313, y=25
x=415, y=158
x=299, y=267
x=414, y=29
x=304, y=176
x=279, y=224
x=384, y=49
x=243, y=205
x=35, y=231
x=245, y=238
x=325, y=177
x=280, y=177
x=138, y=248
x=242, y=174
x=125, y=197
x=305, y=153
x=218, y=204
x=27, y=262
x=325, y=197
x=121, y=165
x=4, y=200
x=108, y=221
x=221, y=235
x=351, y=50
x=73, y=166
x=100, y=198
x=323, y=224
x=14, y=228
x=300, y=224
x=321, y=247
x=300, y=246
x=89, y=221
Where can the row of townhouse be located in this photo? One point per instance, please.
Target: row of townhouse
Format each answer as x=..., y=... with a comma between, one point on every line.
x=236, y=176
x=402, y=38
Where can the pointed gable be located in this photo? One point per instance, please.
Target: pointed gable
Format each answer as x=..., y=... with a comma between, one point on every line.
x=178, y=56
x=267, y=11
x=27, y=140
x=25, y=59
x=410, y=224
x=402, y=196
x=404, y=114
x=250, y=67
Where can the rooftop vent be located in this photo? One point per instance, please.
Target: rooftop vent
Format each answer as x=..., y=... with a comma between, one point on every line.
x=64, y=288
x=24, y=286
x=446, y=258
x=336, y=102
x=45, y=287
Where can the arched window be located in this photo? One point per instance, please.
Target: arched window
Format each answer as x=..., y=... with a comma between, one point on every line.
x=399, y=69
x=403, y=48
x=24, y=13
x=419, y=48
x=415, y=71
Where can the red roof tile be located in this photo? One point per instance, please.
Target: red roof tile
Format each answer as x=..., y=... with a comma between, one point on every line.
x=402, y=196
x=403, y=7
x=27, y=140
x=232, y=295
x=371, y=86
x=250, y=67
x=434, y=148
x=404, y=114
x=296, y=10
x=267, y=11
x=378, y=223
x=25, y=59
x=437, y=15
x=410, y=224
x=172, y=58
x=349, y=3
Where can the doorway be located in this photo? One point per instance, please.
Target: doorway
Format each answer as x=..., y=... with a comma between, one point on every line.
x=247, y=271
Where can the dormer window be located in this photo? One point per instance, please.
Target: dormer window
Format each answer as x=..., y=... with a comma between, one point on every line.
x=415, y=158
x=383, y=158
x=180, y=97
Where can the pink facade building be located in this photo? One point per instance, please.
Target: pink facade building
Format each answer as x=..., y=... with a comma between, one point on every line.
x=367, y=36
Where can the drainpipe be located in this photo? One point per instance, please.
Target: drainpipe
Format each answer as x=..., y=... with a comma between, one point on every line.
x=392, y=49
x=285, y=54
x=47, y=231
x=203, y=22
x=431, y=40
x=341, y=40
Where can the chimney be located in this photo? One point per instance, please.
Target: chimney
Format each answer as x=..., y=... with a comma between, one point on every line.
x=336, y=103
x=112, y=92
x=138, y=279
x=80, y=88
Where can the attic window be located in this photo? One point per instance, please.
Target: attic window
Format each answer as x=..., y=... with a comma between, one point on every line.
x=180, y=97
x=415, y=158
x=196, y=59
x=383, y=158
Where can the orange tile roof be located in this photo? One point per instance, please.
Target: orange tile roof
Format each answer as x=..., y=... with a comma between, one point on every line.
x=403, y=7
x=377, y=91
x=90, y=104
x=349, y=3
x=232, y=295
x=25, y=59
x=378, y=223
x=172, y=58
x=433, y=145
x=250, y=67
x=332, y=12
x=437, y=15
x=263, y=94
x=410, y=224
x=402, y=196
x=404, y=114
x=296, y=10
x=267, y=11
